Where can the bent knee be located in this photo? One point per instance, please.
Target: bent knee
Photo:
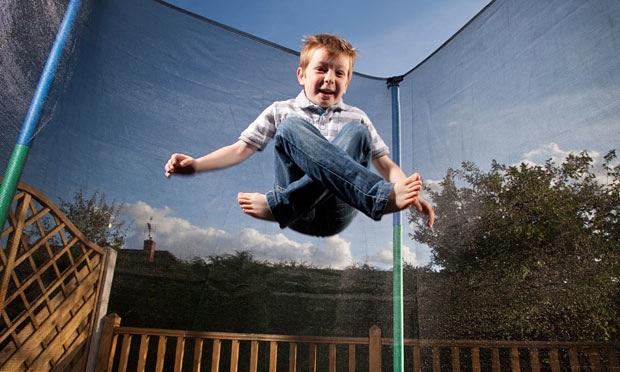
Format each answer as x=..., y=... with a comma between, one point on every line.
x=357, y=130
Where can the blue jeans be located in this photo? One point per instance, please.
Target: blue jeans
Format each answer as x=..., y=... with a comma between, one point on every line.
x=320, y=185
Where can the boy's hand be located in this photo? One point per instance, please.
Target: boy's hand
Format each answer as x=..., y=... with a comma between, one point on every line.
x=180, y=164
x=425, y=207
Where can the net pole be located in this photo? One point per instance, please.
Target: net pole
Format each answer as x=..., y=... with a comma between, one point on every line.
x=21, y=150
x=397, y=289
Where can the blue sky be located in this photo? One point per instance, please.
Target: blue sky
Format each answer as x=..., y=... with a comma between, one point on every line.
x=377, y=32
x=513, y=87
x=541, y=114
x=377, y=29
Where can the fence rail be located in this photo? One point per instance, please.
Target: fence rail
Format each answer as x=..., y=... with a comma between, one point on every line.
x=142, y=349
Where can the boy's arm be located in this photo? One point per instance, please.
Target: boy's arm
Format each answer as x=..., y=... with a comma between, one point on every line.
x=391, y=172
x=221, y=158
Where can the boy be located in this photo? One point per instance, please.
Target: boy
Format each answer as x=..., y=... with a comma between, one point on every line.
x=323, y=148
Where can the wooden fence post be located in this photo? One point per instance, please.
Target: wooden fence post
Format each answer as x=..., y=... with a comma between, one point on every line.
x=374, y=349
x=105, y=287
x=106, y=343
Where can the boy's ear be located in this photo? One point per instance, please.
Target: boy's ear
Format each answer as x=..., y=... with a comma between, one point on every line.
x=301, y=76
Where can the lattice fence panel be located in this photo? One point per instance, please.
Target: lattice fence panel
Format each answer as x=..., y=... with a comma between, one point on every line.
x=50, y=279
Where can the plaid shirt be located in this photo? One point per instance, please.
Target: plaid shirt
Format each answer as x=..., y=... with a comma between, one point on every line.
x=329, y=122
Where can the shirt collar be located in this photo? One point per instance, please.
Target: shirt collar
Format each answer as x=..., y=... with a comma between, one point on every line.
x=303, y=102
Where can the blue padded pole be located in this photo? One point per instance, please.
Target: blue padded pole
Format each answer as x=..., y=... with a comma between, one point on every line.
x=397, y=290
x=22, y=147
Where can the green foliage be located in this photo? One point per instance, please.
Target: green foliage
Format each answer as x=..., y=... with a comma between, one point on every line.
x=526, y=252
x=236, y=293
x=519, y=252
x=96, y=218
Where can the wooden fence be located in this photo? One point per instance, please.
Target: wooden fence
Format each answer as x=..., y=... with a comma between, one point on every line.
x=140, y=349
x=50, y=290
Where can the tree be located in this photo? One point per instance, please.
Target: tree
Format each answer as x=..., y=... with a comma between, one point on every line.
x=96, y=219
x=526, y=252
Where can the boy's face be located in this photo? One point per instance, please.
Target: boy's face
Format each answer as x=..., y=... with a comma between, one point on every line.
x=325, y=79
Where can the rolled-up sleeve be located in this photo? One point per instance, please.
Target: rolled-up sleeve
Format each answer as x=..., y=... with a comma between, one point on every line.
x=261, y=130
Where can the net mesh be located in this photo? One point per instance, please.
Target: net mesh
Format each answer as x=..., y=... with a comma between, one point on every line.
x=524, y=81
x=26, y=36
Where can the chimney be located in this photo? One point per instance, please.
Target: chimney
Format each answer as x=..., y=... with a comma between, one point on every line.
x=149, y=248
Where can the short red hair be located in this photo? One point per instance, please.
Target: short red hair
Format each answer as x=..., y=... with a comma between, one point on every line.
x=333, y=44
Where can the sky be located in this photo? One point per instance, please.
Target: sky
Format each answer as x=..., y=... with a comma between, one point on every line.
x=380, y=33
x=512, y=88
x=377, y=30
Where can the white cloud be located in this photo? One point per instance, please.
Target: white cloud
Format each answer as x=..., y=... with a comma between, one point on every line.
x=548, y=151
x=186, y=240
x=385, y=258
x=558, y=156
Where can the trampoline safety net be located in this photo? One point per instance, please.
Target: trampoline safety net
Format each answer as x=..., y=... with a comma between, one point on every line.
x=513, y=124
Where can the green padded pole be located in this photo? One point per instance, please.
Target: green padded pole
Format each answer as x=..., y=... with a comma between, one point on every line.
x=397, y=290
x=11, y=179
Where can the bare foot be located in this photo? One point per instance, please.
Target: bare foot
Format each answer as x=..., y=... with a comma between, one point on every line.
x=255, y=205
x=404, y=193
